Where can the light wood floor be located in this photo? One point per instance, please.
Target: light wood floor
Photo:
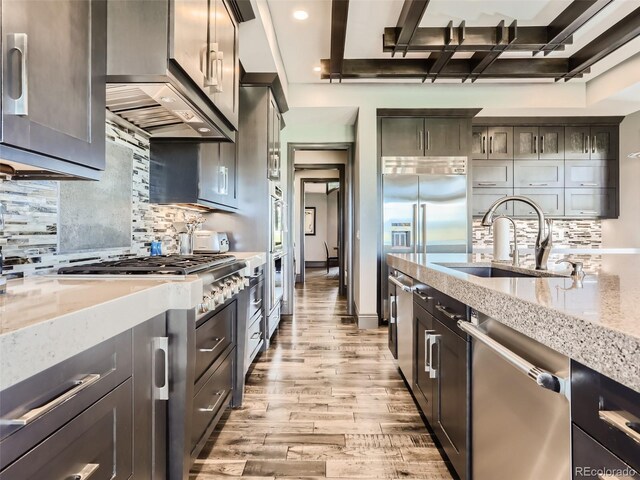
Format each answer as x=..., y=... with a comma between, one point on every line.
x=326, y=401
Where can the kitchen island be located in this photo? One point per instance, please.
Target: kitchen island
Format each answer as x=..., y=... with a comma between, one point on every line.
x=595, y=322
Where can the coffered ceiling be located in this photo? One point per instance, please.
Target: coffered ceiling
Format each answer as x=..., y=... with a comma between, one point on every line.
x=304, y=43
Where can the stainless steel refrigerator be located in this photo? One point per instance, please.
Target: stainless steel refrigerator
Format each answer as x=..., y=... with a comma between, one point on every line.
x=424, y=209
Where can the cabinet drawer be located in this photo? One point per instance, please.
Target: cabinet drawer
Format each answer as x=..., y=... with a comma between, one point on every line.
x=99, y=440
x=551, y=200
x=590, y=202
x=274, y=320
x=447, y=310
x=608, y=411
x=590, y=173
x=254, y=338
x=492, y=173
x=483, y=198
x=256, y=298
x=590, y=458
x=213, y=337
x=45, y=402
x=538, y=173
x=210, y=400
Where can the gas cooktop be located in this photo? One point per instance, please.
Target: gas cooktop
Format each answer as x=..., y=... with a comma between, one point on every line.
x=159, y=265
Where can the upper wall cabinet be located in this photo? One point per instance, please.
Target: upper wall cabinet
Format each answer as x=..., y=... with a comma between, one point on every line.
x=417, y=137
x=274, y=125
x=53, y=85
x=591, y=143
x=495, y=143
x=532, y=143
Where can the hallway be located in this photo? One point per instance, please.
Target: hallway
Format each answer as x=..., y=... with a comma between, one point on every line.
x=326, y=402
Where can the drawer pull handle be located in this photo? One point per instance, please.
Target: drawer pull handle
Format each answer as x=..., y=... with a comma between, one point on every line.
x=487, y=184
x=446, y=312
x=218, y=341
x=257, y=304
x=618, y=421
x=212, y=408
x=88, y=470
x=256, y=335
x=37, y=412
x=588, y=184
x=423, y=297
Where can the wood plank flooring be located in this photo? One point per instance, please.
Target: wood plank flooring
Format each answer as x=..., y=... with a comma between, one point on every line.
x=326, y=401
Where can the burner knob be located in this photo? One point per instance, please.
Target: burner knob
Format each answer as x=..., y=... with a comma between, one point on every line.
x=246, y=281
x=203, y=308
x=240, y=282
x=218, y=295
x=210, y=301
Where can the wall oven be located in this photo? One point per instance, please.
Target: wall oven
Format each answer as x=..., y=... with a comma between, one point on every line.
x=276, y=218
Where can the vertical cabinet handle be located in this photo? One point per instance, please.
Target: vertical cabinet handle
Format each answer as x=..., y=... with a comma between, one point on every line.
x=16, y=96
x=394, y=311
x=593, y=145
x=535, y=144
x=431, y=341
x=428, y=141
x=86, y=472
x=484, y=144
x=587, y=144
x=161, y=344
x=491, y=144
x=541, y=143
x=418, y=139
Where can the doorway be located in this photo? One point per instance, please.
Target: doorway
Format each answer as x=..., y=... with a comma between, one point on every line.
x=325, y=170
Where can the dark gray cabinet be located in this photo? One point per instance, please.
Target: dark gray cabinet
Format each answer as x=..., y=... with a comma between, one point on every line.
x=274, y=125
x=198, y=173
x=590, y=173
x=150, y=397
x=591, y=202
x=444, y=137
x=425, y=383
x=538, y=173
x=494, y=143
x=532, y=143
x=483, y=198
x=402, y=137
x=492, y=173
x=551, y=200
x=591, y=142
x=53, y=85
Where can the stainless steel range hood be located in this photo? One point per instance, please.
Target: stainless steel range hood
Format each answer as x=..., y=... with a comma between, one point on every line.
x=160, y=110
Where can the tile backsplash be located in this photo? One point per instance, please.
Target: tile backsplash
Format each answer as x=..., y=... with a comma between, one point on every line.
x=30, y=237
x=568, y=233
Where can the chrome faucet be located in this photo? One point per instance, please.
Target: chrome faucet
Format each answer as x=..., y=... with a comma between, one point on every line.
x=544, y=238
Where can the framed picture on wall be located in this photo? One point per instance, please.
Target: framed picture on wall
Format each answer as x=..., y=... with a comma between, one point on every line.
x=309, y=220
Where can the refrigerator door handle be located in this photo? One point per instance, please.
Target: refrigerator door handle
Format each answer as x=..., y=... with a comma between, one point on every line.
x=424, y=228
x=415, y=228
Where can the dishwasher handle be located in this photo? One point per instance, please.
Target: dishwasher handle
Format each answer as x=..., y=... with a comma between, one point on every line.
x=542, y=378
x=398, y=283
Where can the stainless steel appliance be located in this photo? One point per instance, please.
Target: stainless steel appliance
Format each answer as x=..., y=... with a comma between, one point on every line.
x=404, y=322
x=276, y=218
x=207, y=241
x=204, y=374
x=392, y=290
x=424, y=208
x=276, y=291
x=521, y=424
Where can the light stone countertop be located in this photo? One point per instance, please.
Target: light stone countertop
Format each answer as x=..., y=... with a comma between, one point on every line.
x=47, y=319
x=598, y=325
x=253, y=259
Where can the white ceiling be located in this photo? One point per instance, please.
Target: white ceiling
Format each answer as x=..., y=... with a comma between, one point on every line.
x=303, y=43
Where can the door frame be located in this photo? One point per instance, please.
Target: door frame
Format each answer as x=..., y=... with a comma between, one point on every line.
x=347, y=202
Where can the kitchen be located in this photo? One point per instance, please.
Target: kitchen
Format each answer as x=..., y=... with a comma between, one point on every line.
x=151, y=322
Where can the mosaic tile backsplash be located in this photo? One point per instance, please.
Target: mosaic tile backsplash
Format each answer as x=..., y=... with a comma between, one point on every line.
x=579, y=233
x=30, y=238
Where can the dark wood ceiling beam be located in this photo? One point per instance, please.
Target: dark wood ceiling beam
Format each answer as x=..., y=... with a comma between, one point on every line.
x=419, y=68
x=441, y=59
x=622, y=32
x=339, y=15
x=504, y=38
x=477, y=39
x=408, y=21
x=570, y=20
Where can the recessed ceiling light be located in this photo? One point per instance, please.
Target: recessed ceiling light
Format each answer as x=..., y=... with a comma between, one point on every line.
x=204, y=129
x=300, y=15
x=167, y=99
x=316, y=69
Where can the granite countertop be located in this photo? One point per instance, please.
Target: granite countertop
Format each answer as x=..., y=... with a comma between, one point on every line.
x=253, y=259
x=47, y=319
x=598, y=324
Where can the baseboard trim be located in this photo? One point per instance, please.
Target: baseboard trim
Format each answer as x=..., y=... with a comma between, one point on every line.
x=315, y=264
x=366, y=320
x=298, y=278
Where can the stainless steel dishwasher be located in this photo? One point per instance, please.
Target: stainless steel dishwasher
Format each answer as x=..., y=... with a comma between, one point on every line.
x=521, y=419
x=404, y=323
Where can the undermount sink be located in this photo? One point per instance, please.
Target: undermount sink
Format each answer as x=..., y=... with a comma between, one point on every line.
x=495, y=272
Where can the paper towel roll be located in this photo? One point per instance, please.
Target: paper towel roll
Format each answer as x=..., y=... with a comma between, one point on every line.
x=501, y=236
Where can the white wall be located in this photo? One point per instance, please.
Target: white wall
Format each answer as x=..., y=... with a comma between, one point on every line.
x=332, y=221
x=624, y=232
x=314, y=244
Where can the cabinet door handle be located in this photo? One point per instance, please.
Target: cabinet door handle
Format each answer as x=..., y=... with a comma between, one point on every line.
x=418, y=139
x=394, y=311
x=86, y=472
x=423, y=297
x=484, y=144
x=161, y=344
x=535, y=144
x=218, y=341
x=491, y=144
x=16, y=98
x=37, y=412
x=587, y=143
x=428, y=141
x=256, y=335
x=212, y=408
x=620, y=422
x=447, y=313
x=432, y=339
x=593, y=145
x=541, y=143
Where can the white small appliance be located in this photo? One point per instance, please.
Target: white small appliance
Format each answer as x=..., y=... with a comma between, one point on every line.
x=208, y=241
